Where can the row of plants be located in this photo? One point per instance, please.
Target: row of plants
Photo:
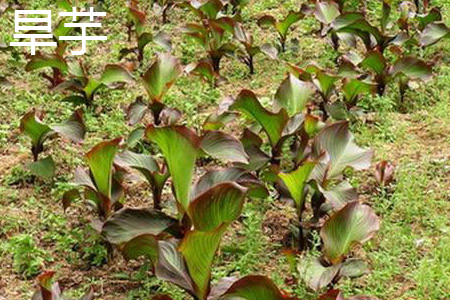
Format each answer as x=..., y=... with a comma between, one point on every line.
x=299, y=149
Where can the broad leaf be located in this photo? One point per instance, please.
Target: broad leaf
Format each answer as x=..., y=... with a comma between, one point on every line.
x=100, y=160
x=130, y=223
x=253, y=288
x=44, y=168
x=411, y=67
x=161, y=76
x=292, y=95
x=296, y=182
x=340, y=194
x=337, y=141
x=375, y=62
x=32, y=126
x=198, y=249
x=143, y=245
x=220, y=204
x=180, y=147
x=290, y=19
x=172, y=267
x=116, y=73
x=136, y=111
x=224, y=147
x=326, y=11
x=316, y=275
x=46, y=60
x=273, y=124
x=74, y=128
x=256, y=188
x=354, y=223
x=433, y=33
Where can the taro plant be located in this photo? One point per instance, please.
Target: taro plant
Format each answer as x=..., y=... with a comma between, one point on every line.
x=49, y=290
x=157, y=81
x=32, y=125
x=86, y=86
x=353, y=224
x=214, y=36
x=248, y=50
x=102, y=183
x=137, y=22
x=183, y=250
x=282, y=27
x=257, y=287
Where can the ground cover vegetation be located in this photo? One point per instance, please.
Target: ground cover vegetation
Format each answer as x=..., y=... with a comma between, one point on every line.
x=224, y=149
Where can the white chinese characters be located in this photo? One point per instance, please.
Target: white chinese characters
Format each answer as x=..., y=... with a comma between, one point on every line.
x=48, y=28
x=83, y=38
x=17, y=28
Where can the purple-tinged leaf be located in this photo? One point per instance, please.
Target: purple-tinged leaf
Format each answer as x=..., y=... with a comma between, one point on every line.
x=172, y=267
x=130, y=223
x=411, y=67
x=434, y=32
x=337, y=141
x=180, y=147
x=354, y=224
x=221, y=204
x=326, y=11
x=74, y=128
x=253, y=287
x=224, y=147
x=315, y=274
x=161, y=76
x=272, y=123
x=293, y=95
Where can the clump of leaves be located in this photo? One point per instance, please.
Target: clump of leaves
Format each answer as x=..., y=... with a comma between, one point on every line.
x=247, y=52
x=86, y=86
x=158, y=79
x=103, y=188
x=384, y=172
x=282, y=27
x=32, y=125
x=214, y=35
x=49, y=290
x=137, y=21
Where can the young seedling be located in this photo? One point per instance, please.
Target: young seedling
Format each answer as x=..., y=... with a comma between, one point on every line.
x=32, y=125
x=282, y=27
x=50, y=290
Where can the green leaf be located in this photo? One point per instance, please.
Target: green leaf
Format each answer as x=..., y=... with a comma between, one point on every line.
x=411, y=67
x=316, y=275
x=354, y=224
x=374, y=61
x=296, y=182
x=143, y=40
x=32, y=126
x=273, y=124
x=326, y=12
x=291, y=18
x=253, y=288
x=46, y=60
x=337, y=141
x=340, y=194
x=142, y=162
x=218, y=205
x=100, y=160
x=143, y=245
x=198, y=249
x=292, y=95
x=171, y=266
x=130, y=223
x=180, y=147
x=74, y=128
x=211, y=8
x=224, y=147
x=354, y=87
x=353, y=268
x=44, y=168
x=266, y=21
x=433, y=16
x=116, y=73
x=256, y=188
x=161, y=76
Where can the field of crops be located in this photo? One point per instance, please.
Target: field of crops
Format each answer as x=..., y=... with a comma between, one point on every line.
x=226, y=150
